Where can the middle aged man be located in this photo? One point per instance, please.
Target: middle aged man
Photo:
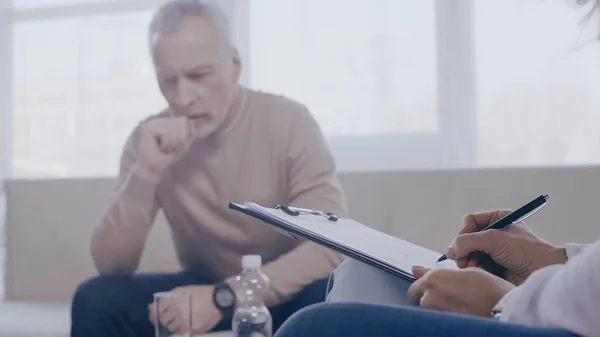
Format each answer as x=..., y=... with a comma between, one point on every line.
x=217, y=142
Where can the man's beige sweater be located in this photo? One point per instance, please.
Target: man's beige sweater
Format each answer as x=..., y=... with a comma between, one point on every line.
x=272, y=153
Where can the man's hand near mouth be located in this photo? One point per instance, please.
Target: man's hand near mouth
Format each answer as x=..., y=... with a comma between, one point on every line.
x=163, y=141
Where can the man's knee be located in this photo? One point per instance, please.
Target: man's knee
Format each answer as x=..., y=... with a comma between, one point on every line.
x=101, y=292
x=349, y=280
x=354, y=281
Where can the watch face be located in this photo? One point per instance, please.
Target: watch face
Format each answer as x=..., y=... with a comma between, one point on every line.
x=224, y=298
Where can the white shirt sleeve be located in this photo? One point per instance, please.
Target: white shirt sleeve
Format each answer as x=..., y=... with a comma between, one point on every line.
x=564, y=297
x=574, y=249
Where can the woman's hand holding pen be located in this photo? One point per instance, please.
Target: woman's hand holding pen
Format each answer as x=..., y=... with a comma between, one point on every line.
x=516, y=248
x=471, y=290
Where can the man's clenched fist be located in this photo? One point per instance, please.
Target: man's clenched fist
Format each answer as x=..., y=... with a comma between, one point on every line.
x=163, y=141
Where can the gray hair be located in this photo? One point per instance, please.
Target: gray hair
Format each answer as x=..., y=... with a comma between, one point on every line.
x=169, y=16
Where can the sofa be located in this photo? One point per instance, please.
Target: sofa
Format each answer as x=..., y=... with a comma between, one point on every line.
x=49, y=224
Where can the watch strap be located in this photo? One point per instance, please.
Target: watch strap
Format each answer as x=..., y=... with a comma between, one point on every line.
x=226, y=310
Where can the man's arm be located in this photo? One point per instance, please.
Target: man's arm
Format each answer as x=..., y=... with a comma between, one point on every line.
x=559, y=296
x=119, y=240
x=312, y=183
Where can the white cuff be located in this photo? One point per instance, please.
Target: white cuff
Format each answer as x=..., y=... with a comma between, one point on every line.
x=572, y=249
x=504, y=303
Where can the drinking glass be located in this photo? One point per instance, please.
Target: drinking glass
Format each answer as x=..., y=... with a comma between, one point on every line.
x=169, y=305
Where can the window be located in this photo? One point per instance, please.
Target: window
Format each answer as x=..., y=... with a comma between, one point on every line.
x=370, y=71
x=80, y=86
x=538, y=74
x=393, y=83
x=369, y=75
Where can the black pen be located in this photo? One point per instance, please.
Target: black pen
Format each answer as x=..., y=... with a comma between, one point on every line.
x=514, y=217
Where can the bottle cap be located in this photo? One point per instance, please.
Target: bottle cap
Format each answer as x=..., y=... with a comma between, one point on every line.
x=251, y=261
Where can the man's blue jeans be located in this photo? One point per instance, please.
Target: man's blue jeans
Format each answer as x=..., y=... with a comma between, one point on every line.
x=118, y=305
x=370, y=320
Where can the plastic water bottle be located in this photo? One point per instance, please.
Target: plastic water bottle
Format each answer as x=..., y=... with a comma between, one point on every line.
x=252, y=318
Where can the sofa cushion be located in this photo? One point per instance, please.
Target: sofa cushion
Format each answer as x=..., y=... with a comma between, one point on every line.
x=58, y=217
x=63, y=215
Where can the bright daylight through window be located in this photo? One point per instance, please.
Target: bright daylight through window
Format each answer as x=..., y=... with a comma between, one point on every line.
x=82, y=79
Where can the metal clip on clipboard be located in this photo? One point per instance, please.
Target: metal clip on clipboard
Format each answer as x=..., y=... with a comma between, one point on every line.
x=295, y=211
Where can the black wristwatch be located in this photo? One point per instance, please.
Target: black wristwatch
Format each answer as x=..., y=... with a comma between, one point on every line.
x=224, y=299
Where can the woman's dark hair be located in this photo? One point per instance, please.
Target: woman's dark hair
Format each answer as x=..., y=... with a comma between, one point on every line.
x=585, y=2
x=593, y=11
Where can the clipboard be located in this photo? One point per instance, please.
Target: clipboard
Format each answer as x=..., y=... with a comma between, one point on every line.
x=328, y=230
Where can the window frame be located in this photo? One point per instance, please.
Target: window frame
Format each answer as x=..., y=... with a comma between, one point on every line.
x=457, y=102
x=6, y=26
x=5, y=121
